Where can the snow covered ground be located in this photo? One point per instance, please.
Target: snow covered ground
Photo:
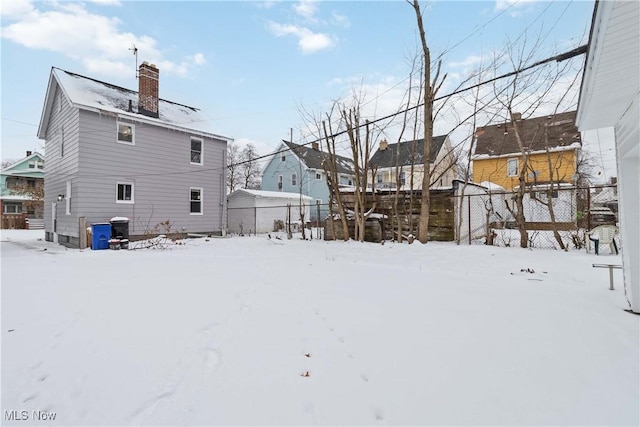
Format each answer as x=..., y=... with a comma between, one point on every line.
x=224, y=332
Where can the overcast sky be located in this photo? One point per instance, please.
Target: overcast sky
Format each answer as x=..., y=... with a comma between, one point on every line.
x=253, y=66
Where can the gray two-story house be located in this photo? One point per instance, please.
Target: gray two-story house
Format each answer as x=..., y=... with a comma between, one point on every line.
x=298, y=168
x=114, y=152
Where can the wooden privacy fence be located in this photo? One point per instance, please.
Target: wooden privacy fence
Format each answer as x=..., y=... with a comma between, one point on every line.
x=441, y=215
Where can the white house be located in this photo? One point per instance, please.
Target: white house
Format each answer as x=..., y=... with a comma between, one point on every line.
x=259, y=211
x=610, y=97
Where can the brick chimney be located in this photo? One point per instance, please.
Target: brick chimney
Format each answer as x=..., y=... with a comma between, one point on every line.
x=315, y=146
x=148, y=83
x=383, y=145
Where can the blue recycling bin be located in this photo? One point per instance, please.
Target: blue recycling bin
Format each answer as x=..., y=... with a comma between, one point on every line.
x=100, y=235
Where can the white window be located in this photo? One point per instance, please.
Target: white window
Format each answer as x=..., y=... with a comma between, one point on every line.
x=196, y=151
x=294, y=179
x=195, y=201
x=512, y=167
x=126, y=133
x=67, y=198
x=280, y=182
x=12, y=208
x=124, y=192
x=36, y=164
x=403, y=178
x=318, y=175
x=379, y=178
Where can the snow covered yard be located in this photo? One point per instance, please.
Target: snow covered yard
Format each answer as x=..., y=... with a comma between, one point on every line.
x=224, y=332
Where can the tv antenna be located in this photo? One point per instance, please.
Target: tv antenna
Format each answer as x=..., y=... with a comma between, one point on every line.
x=134, y=50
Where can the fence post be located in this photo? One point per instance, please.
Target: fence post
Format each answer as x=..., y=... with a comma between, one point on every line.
x=318, y=233
x=469, y=215
x=82, y=232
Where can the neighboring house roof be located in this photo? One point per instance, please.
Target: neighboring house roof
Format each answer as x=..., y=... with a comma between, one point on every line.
x=313, y=158
x=270, y=194
x=94, y=95
x=500, y=139
x=403, y=153
x=21, y=167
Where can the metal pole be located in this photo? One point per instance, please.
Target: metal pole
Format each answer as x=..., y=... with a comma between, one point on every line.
x=611, y=278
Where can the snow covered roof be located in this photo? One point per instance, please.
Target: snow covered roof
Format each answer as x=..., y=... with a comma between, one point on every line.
x=406, y=153
x=270, y=194
x=491, y=186
x=95, y=95
x=314, y=158
x=556, y=132
x=21, y=166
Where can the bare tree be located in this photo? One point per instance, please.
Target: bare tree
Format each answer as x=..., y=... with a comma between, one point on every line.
x=431, y=89
x=234, y=177
x=249, y=168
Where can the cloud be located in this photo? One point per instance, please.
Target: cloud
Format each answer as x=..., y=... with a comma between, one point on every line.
x=306, y=9
x=96, y=41
x=16, y=8
x=308, y=41
x=469, y=61
x=340, y=20
x=106, y=2
x=198, y=59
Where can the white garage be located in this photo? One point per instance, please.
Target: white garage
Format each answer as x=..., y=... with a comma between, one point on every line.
x=257, y=211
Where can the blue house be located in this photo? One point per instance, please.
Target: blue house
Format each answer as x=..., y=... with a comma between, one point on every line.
x=21, y=192
x=294, y=168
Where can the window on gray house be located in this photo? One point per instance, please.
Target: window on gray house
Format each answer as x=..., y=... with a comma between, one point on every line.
x=124, y=192
x=196, y=151
x=195, y=199
x=126, y=133
x=280, y=182
x=318, y=175
x=283, y=158
x=294, y=179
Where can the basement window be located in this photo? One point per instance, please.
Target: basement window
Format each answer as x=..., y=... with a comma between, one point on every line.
x=126, y=133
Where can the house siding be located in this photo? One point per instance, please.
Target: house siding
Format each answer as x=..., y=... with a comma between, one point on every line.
x=495, y=169
x=312, y=187
x=60, y=169
x=94, y=162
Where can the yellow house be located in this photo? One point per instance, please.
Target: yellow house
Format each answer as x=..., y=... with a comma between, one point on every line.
x=551, y=143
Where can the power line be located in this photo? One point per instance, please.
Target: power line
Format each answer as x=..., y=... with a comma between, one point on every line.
x=557, y=58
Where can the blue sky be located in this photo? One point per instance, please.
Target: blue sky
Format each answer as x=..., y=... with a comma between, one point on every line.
x=252, y=66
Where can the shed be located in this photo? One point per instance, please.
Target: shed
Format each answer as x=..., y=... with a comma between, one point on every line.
x=258, y=211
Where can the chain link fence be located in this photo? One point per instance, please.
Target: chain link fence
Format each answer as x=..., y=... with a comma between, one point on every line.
x=555, y=216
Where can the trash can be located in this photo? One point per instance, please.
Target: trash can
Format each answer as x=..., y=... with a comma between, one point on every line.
x=120, y=228
x=100, y=235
